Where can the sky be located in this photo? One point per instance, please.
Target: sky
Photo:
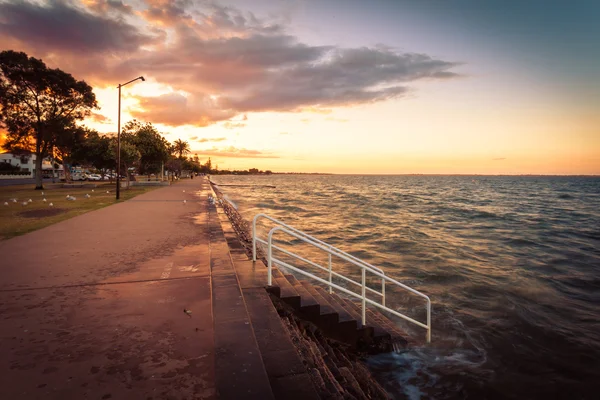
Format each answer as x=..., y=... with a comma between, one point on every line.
x=338, y=86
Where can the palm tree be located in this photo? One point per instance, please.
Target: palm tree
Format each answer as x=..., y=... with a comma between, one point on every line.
x=181, y=148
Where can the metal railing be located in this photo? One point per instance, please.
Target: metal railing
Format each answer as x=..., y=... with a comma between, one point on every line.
x=332, y=251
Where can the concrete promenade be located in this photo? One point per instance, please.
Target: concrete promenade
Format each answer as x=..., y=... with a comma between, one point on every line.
x=92, y=307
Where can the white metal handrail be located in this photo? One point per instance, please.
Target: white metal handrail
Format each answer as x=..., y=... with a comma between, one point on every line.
x=362, y=296
x=333, y=251
x=314, y=264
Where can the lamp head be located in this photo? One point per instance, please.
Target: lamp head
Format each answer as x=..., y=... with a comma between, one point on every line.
x=142, y=78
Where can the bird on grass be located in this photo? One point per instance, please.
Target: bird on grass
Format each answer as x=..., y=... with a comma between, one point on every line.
x=44, y=200
x=5, y=203
x=71, y=198
x=51, y=205
x=42, y=193
x=14, y=200
x=108, y=191
x=87, y=196
x=92, y=190
x=24, y=203
x=29, y=201
x=187, y=312
x=184, y=201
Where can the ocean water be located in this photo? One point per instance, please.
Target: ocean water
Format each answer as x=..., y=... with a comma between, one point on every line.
x=512, y=265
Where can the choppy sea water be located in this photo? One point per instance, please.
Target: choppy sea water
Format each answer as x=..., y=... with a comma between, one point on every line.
x=512, y=265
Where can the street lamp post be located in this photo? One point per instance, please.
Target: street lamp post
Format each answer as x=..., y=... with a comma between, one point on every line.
x=119, y=136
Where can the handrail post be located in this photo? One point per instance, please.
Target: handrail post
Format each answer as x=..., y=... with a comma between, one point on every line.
x=364, y=302
x=383, y=292
x=254, y=237
x=330, y=275
x=270, y=258
x=428, y=320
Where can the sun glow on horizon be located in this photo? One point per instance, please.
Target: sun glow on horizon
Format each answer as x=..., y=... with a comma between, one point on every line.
x=291, y=89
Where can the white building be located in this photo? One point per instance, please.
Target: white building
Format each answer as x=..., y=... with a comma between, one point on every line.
x=26, y=162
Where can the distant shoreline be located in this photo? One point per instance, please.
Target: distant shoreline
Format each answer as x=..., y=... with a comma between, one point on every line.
x=466, y=175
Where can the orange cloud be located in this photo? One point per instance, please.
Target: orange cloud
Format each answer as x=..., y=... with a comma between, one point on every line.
x=233, y=152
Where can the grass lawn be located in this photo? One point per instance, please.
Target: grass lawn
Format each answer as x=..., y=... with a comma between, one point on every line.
x=17, y=219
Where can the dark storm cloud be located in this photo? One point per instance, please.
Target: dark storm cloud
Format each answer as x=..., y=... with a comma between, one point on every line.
x=60, y=26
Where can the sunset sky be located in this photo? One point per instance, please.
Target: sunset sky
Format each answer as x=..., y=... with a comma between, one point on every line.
x=340, y=86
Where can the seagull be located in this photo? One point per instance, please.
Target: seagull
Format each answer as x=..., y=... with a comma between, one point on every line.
x=184, y=202
x=68, y=196
x=188, y=312
x=87, y=196
x=24, y=203
x=108, y=191
x=44, y=200
x=14, y=200
x=51, y=205
x=42, y=193
x=92, y=190
x=184, y=191
x=29, y=201
x=71, y=198
x=5, y=203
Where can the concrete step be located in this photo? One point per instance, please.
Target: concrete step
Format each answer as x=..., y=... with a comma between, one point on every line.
x=379, y=332
x=287, y=292
x=239, y=368
x=287, y=374
x=251, y=274
x=328, y=318
x=309, y=307
x=399, y=338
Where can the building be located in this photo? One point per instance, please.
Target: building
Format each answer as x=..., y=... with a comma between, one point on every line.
x=26, y=164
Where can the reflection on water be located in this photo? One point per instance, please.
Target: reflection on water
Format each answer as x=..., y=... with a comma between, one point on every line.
x=512, y=265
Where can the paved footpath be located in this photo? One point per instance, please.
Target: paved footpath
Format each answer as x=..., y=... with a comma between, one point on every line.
x=92, y=307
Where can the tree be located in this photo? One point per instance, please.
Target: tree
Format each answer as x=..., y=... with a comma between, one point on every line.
x=96, y=150
x=68, y=139
x=207, y=167
x=153, y=148
x=182, y=148
x=36, y=101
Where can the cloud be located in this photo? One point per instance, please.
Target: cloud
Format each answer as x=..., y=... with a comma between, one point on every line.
x=193, y=137
x=174, y=109
x=108, y=6
x=99, y=118
x=204, y=140
x=499, y=159
x=233, y=125
x=233, y=152
x=336, y=119
x=284, y=133
x=219, y=61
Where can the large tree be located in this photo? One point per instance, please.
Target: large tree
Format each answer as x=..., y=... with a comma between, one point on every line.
x=153, y=148
x=36, y=102
x=96, y=150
